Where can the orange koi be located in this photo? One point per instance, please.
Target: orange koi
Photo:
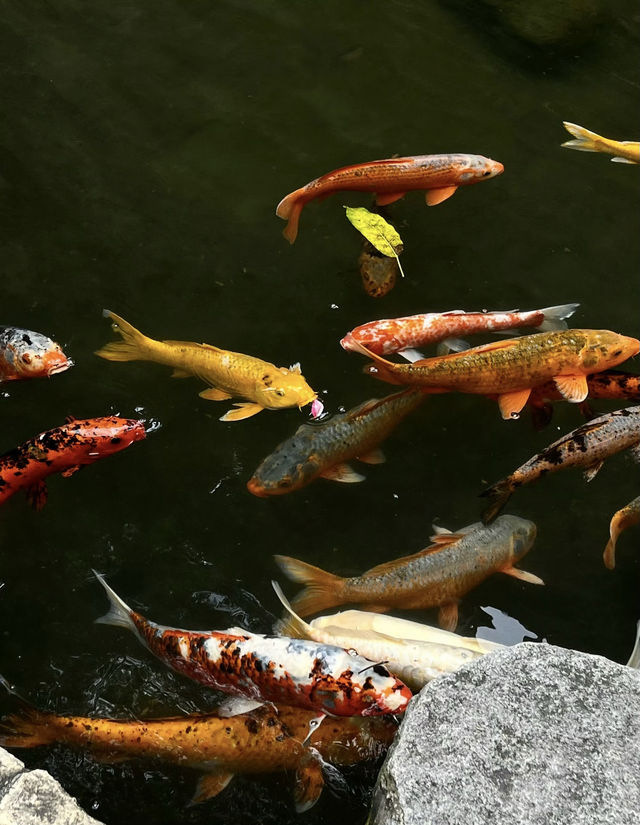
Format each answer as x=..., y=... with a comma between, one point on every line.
x=262, y=668
x=587, y=447
x=623, y=518
x=64, y=450
x=27, y=354
x=437, y=576
x=267, y=741
x=510, y=369
x=391, y=179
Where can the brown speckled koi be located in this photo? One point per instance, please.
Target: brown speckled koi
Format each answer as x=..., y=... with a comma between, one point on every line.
x=64, y=450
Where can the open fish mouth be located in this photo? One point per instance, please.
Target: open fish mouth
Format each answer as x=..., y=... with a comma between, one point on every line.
x=56, y=368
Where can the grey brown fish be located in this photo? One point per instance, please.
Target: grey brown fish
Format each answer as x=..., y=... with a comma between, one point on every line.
x=586, y=447
x=437, y=576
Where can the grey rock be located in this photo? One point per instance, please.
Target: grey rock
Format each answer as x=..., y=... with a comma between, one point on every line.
x=35, y=797
x=533, y=734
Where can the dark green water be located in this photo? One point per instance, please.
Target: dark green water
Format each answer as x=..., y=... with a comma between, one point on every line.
x=143, y=149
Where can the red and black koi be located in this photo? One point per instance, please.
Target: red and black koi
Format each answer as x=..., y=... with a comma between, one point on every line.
x=28, y=354
x=262, y=668
x=64, y=450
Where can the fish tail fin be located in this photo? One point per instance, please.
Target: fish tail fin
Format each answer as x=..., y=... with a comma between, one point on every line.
x=291, y=625
x=555, y=317
x=129, y=349
x=119, y=613
x=289, y=209
x=27, y=728
x=380, y=369
x=585, y=141
x=498, y=495
x=322, y=590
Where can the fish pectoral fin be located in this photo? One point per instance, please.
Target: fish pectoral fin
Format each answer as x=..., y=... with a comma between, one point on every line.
x=440, y=540
x=37, y=495
x=385, y=198
x=235, y=705
x=623, y=160
x=573, y=388
x=411, y=355
x=374, y=607
x=71, y=470
x=309, y=783
x=343, y=473
x=178, y=373
x=511, y=403
x=448, y=616
x=375, y=456
x=635, y=452
x=241, y=411
x=435, y=196
x=210, y=785
x=592, y=470
x=212, y=394
x=522, y=575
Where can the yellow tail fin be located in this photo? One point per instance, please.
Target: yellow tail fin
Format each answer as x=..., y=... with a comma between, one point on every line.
x=323, y=589
x=131, y=348
x=585, y=141
x=27, y=729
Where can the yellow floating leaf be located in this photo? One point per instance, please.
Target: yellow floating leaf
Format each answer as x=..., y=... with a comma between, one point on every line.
x=377, y=231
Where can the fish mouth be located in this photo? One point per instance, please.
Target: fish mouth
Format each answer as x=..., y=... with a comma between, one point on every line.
x=54, y=369
x=253, y=486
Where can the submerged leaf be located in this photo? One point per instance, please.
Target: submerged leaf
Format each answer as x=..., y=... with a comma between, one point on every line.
x=381, y=234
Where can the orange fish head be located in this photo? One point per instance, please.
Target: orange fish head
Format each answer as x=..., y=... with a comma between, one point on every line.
x=478, y=168
x=604, y=349
x=284, y=388
x=110, y=433
x=36, y=356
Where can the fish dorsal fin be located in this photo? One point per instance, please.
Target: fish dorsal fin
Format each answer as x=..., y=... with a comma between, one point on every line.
x=435, y=196
x=592, y=470
x=572, y=387
x=511, y=403
x=194, y=344
x=441, y=542
x=210, y=785
x=493, y=346
x=235, y=705
x=385, y=198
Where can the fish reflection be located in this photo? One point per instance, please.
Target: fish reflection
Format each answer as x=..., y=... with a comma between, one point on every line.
x=268, y=740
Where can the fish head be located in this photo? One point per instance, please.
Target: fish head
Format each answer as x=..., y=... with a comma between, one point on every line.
x=522, y=531
x=281, y=388
x=346, y=740
x=604, y=349
x=475, y=168
x=34, y=355
x=283, y=471
x=383, y=693
x=107, y=435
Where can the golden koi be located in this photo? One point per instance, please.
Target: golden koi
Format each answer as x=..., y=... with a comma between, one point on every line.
x=623, y=518
x=510, y=369
x=437, y=576
x=229, y=374
x=391, y=179
x=322, y=450
x=414, y=661
x=623, y=151
x=267, y=741
x=587, y=446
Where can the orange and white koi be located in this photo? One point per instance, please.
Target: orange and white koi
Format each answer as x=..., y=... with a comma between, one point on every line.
x=623, y=151
x=397, y=334
x=28, y=354
x=267, y=741
x=627, y=516
x=64, y=450
x=391, y=179
x=323, y=449
x=510, y=369
x=587, y=447
x=229, y=374
x=268, y=668
x=437, y=576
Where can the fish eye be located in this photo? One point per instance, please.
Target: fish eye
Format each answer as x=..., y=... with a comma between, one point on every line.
x=280, y=393
x=484, y=174
x=26, y=358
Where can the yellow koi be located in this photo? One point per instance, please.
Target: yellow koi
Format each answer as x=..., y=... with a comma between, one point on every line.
x=623, y=151
x=229, y=374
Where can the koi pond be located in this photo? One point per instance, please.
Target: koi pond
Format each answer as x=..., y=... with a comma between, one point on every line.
x=143, y=151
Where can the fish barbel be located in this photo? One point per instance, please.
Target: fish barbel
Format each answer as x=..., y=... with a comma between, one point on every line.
x=390, y=179
x=606, y=384
x=437, y=576
x=413, y=660
x=267, y=668
x=510, y=369
x=229, y=374
x=627, y=516
x=64, y=450
x=396, y=334
x=28, y=354
x=323, y=449
x=587, y=447
x=623, y=151
x=267, y=741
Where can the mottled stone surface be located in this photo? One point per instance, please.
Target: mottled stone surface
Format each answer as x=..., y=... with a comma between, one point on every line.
x=533, y=734
x=35, y=798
